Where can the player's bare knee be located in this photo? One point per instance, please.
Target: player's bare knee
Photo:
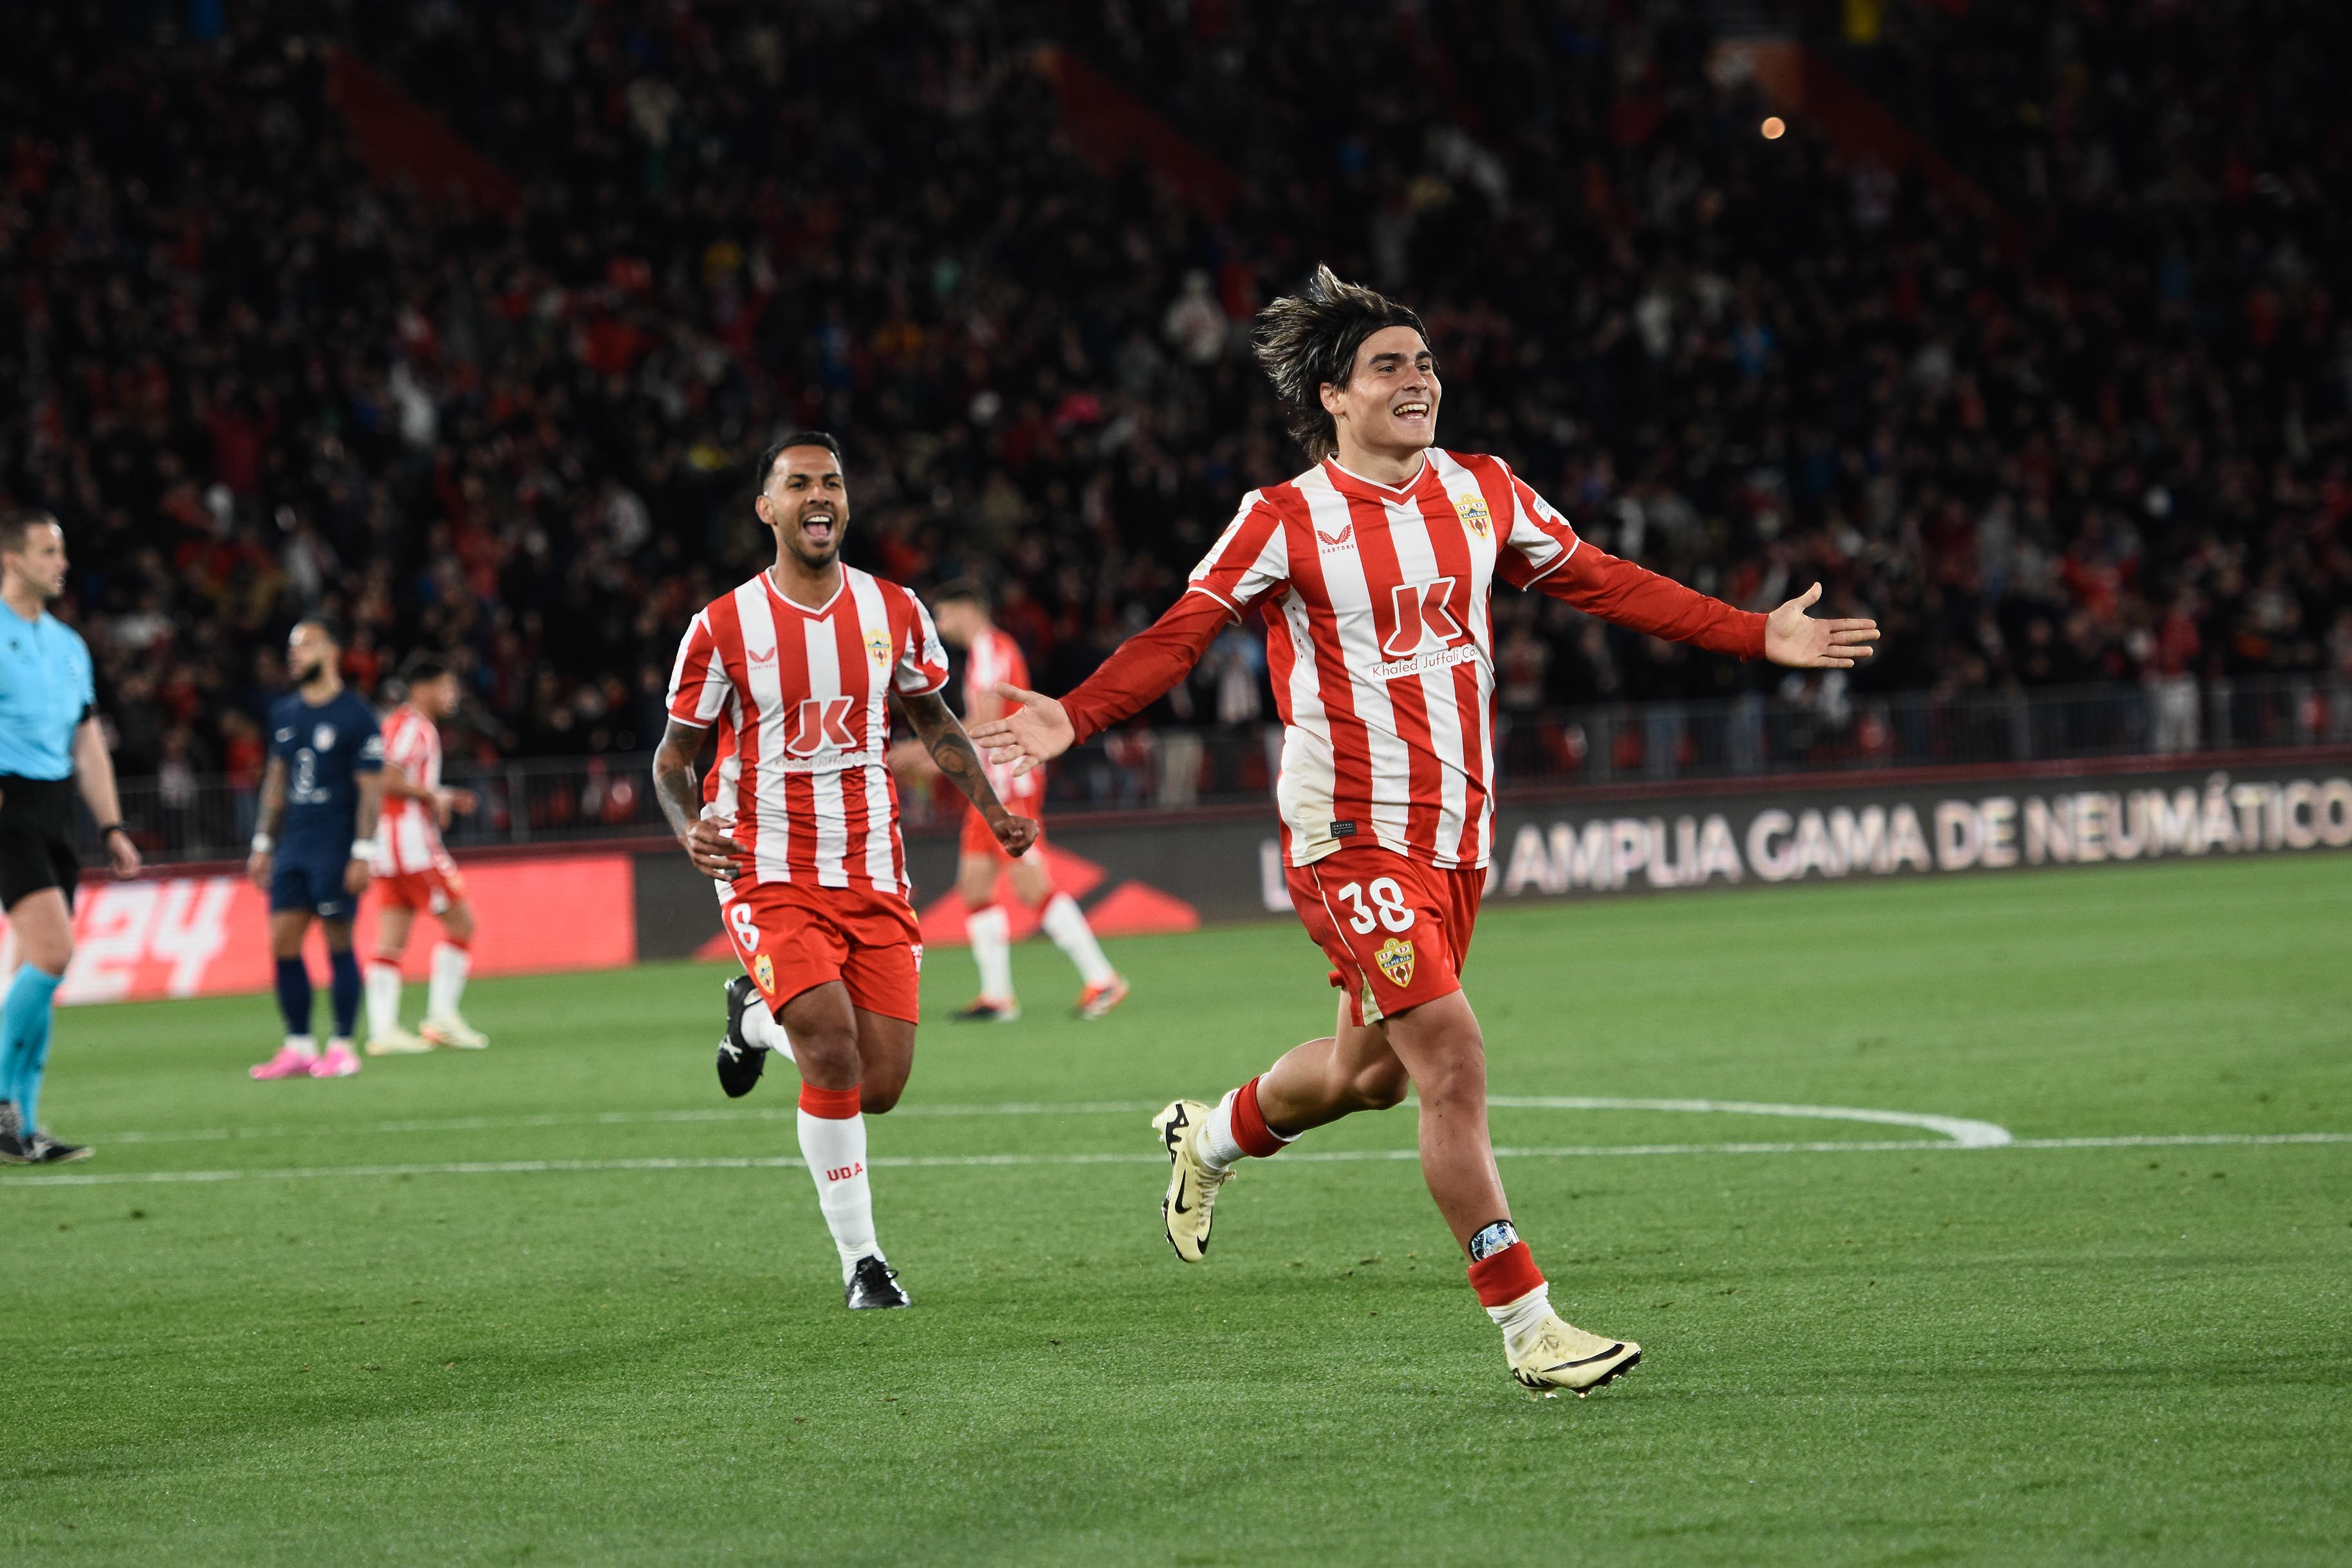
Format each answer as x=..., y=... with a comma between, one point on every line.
x=1380, y=1088
x=1454, y=1081
x=828, y=1057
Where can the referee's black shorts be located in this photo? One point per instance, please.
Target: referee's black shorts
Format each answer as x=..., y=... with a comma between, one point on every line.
x=36, y=838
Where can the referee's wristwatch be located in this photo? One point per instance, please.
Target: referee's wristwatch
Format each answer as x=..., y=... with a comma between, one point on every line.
x=112, y=828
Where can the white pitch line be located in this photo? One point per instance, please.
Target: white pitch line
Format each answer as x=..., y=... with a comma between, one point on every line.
x=1312, y=1156
x=1963, y=1131
x=608, y=1118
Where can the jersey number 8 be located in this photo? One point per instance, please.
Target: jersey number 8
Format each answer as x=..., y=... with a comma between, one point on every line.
x=739, y=915
x=1388, y=899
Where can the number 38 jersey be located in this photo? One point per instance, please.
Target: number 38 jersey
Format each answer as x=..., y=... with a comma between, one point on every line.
x=800, y=698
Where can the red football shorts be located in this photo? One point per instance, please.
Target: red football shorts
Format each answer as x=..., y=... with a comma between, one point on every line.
x=1396, y=932
x=433, y=889
x=979, y=841
x=793, y=938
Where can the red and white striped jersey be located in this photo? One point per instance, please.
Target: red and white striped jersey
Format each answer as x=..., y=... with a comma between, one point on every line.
x=995, y=656
x=801, y=699
x=1379, y=641
x=410, y=832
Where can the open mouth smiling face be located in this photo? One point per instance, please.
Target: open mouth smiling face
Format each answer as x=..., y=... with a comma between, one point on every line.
x=1392, y=393
x=807, y=501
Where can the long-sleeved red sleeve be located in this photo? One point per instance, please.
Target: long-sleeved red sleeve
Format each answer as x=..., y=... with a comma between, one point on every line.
x=1612, y=588
x=1145, y=666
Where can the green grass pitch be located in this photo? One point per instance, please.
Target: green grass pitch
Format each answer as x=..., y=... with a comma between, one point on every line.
x=344, y=1351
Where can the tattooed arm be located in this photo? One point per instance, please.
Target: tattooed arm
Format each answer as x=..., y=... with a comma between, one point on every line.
x=708, y=842
x=944, y=739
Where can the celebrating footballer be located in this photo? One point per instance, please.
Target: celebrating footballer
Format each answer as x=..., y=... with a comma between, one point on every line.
x=1373, y=570
x=798, y=824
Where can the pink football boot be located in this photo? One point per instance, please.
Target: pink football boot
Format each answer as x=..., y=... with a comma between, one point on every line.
x=341, y=1061
x=291, y=1062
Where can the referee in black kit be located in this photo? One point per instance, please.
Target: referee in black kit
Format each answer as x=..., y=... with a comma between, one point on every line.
x=50, y=740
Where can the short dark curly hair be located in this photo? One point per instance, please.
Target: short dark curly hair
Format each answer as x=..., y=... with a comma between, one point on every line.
x=766, y=469
x=1309, y=340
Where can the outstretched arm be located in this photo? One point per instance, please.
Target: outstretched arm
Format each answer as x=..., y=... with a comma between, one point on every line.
x=949, y=748
x=1144, y=667
x=1610, y=588
x=709, y=843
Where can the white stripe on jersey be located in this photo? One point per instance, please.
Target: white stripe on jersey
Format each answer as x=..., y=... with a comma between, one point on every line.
x=762, y=667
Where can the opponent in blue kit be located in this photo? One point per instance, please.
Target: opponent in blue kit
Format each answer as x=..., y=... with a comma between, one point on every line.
x=51, y=743
x=316, y=846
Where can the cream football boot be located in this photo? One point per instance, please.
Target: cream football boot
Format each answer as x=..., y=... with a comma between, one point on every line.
x=396, y=1042
x=453, y=1032
x=1563, y=1355
x=1191, y=1186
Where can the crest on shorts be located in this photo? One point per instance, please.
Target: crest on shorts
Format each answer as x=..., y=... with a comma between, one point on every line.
x=764, y=972
x=1471, y=507
x=878, y=648
x=1395, y=959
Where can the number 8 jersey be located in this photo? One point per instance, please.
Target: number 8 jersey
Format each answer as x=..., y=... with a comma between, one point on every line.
x=800, y=698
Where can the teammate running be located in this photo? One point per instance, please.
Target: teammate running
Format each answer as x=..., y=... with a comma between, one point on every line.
x=416, y=874
x=315, y=848
x=1373, y=568
x=798, y=823
x=51, y=743
x=993, y=659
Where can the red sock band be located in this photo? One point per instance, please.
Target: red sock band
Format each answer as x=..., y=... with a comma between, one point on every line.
x=449, y=941
x=390, y=959
x=1505, y=1276
x=832, y=1105
x=1250, y=1131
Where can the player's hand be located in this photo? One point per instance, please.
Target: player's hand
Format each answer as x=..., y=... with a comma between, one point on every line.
x=448, y=803
x=1795, y=639
x=122, y=855
x=1015, y=834
x=713, y=849
x=257, y=869
x=356, y=877
x=1039, y=733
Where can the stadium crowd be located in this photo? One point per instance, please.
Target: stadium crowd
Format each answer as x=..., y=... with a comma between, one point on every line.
x=2102, y=434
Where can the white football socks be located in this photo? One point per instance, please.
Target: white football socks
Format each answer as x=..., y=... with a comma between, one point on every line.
x=835, y=1152
x=1520, y=1320
x=1066, y=922
x=766, y=1030
x=990, y=936
x=303, y=1045
x=1217, y=1149
x=382, y=998
x=451, y=965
